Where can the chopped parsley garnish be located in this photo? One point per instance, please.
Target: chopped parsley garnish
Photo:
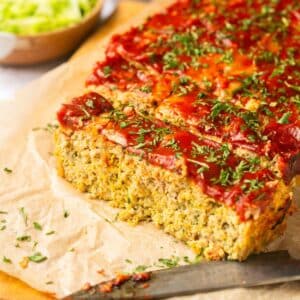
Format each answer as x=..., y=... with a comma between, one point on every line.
x=24, y=238
x=169, y=262
x=140, y=269
x=183, y=86
x=246, y=23
x=227, y=57
x=267, y=56
x=279, y=70
x=170, y=61
x=285, y=118
x=202, y=169
x=207, y=83
x=220, y=107
x=202, y=166
x=37, y=226
x=225, y=149
x=250, y=85
x=229, y=26
x=239, y=171
x=146, y=89
x=50, y=127
x=173, y=144
x=184, y=80
x=201, y=95
x=116, y=115
x=50, y=232
x=37, y=257
x=211, y=155
x=251, y=120
x=200, y=149
x=155, y=134
x=34, y=245
x=24, y=215
x=251, y=185
x=293, y=87
x=267, y=111
x=7, y=170
x=6, y=260
x=87, y=114
x=90, y=103
x=107, y=71
x=229, y=176
x=296, y=100
x=224, y=177
x=187, y=260
x=124, y=124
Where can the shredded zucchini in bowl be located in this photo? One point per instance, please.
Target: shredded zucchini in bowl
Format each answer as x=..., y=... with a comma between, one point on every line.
x=28, y=17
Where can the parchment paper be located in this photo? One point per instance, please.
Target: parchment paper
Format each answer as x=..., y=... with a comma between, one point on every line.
x=79, y=237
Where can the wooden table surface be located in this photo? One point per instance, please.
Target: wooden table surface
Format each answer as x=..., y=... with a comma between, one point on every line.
x=12, y=288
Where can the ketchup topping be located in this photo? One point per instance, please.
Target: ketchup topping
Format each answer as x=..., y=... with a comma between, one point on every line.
x=243, y=53
x=81, y=109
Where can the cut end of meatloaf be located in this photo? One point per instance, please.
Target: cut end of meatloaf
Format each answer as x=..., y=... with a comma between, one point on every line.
x=97, y=160
x=201, y=133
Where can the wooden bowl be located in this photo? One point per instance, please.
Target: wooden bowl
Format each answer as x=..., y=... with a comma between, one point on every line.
x=32, y=49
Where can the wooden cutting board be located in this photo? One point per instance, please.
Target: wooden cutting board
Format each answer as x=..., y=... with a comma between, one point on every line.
x=12, y=288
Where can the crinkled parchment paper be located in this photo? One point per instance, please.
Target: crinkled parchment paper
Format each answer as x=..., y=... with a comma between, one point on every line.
x=79, y=237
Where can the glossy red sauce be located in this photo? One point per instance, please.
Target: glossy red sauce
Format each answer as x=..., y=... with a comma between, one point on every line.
x=285, y=139
x=77, y=113
x=227, y=125
x=264, y=39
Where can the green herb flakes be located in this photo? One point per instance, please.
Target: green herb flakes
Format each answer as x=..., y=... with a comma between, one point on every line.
x=107, y=71
x=37, y=257
x=169, y=262
x=37, y=226
x=24, y=215
x=6, y=260
x=140, y=268
x=50, y=232
x=24, y=238
x=285, y=118
x=7, y=170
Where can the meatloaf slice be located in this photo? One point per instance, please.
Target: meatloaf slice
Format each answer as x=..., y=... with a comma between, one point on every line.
x=197, y=190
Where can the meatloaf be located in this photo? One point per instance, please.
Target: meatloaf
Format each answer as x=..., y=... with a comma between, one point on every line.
x=191, y=121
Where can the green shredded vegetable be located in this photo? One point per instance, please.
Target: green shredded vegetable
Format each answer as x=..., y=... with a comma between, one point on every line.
x=36, y=16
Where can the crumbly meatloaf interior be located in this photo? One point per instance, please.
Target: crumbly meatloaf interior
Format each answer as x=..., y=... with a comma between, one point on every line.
x=171, y=201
